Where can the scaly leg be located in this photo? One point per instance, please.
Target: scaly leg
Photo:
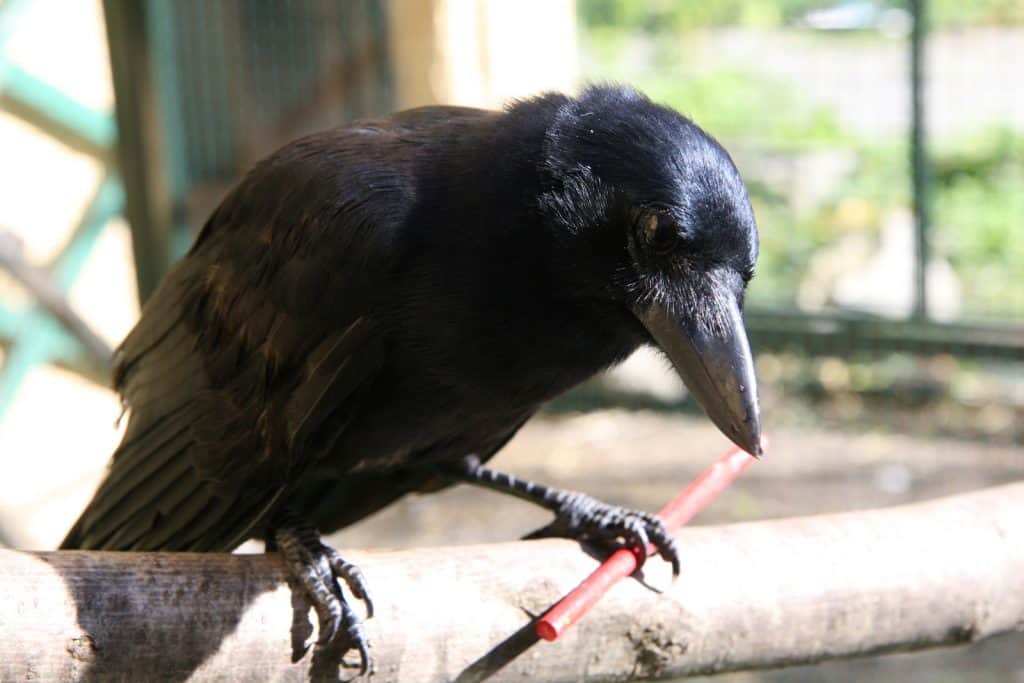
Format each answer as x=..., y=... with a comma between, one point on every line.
x=577, y=515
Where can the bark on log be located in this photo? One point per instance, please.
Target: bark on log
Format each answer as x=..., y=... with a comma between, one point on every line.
x=753, y=595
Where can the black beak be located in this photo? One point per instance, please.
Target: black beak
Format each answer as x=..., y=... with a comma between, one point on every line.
x=716, y=365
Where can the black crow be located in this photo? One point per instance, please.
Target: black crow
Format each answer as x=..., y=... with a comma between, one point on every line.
x=376, y=309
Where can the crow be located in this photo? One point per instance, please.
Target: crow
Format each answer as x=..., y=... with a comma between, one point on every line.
x=376, y=309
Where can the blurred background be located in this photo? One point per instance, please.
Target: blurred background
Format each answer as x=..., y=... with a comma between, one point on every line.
x=882, y=143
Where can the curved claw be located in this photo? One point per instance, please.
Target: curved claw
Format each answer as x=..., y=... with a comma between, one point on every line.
x=357, y=637
x=364, y=656
x=353, y=577
x=582, y=517
x=329, y=624
x=666, y=545
x=317, y=569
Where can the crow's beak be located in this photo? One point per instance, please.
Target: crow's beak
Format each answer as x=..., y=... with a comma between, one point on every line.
x=716, y=365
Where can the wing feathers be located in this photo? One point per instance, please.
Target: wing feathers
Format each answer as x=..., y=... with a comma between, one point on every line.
x=255, y=349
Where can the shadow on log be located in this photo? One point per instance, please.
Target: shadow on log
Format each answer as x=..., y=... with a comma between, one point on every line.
x=750, y=596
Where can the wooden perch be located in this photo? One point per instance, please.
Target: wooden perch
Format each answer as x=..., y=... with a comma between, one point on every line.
x=750, y=596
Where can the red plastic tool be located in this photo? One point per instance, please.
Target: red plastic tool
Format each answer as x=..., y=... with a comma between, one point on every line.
x=622, y=563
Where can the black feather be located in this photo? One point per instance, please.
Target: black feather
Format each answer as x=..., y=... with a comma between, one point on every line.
x=374, y=300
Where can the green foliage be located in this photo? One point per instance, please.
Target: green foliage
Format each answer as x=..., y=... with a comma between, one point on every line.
x=978, y=204
x=965, y=13
x=788, y=243
x=734, y=103
x=656, y=16
x=744, y=106
x=979, y=217
x=883, y=175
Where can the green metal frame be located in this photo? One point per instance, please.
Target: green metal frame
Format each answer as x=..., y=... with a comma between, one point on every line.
x=34, y=336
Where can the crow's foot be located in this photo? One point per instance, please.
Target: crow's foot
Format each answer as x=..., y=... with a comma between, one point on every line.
x=584, y=518
x=315, y=569
x=577, y=515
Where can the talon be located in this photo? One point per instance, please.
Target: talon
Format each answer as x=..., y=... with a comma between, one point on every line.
x=580, y=516
x=317, y=568
x=353, y=577
x=358, y=638
x=329, y=627
x=364, y=657
x=667, y=548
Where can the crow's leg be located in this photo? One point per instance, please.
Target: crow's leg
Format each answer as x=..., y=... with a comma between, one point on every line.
x=577, y=515
x=316, y=568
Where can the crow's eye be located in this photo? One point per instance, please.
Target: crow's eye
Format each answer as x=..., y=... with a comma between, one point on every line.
x=659, y=232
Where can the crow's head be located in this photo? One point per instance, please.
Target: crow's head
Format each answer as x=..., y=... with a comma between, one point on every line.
x=663, y=216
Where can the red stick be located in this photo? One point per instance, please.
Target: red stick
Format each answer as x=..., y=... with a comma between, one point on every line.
x=622, y=563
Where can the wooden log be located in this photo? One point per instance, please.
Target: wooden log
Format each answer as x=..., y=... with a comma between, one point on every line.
x=750, y=596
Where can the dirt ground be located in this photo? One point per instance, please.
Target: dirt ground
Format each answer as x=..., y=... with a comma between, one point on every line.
x=643, y=458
